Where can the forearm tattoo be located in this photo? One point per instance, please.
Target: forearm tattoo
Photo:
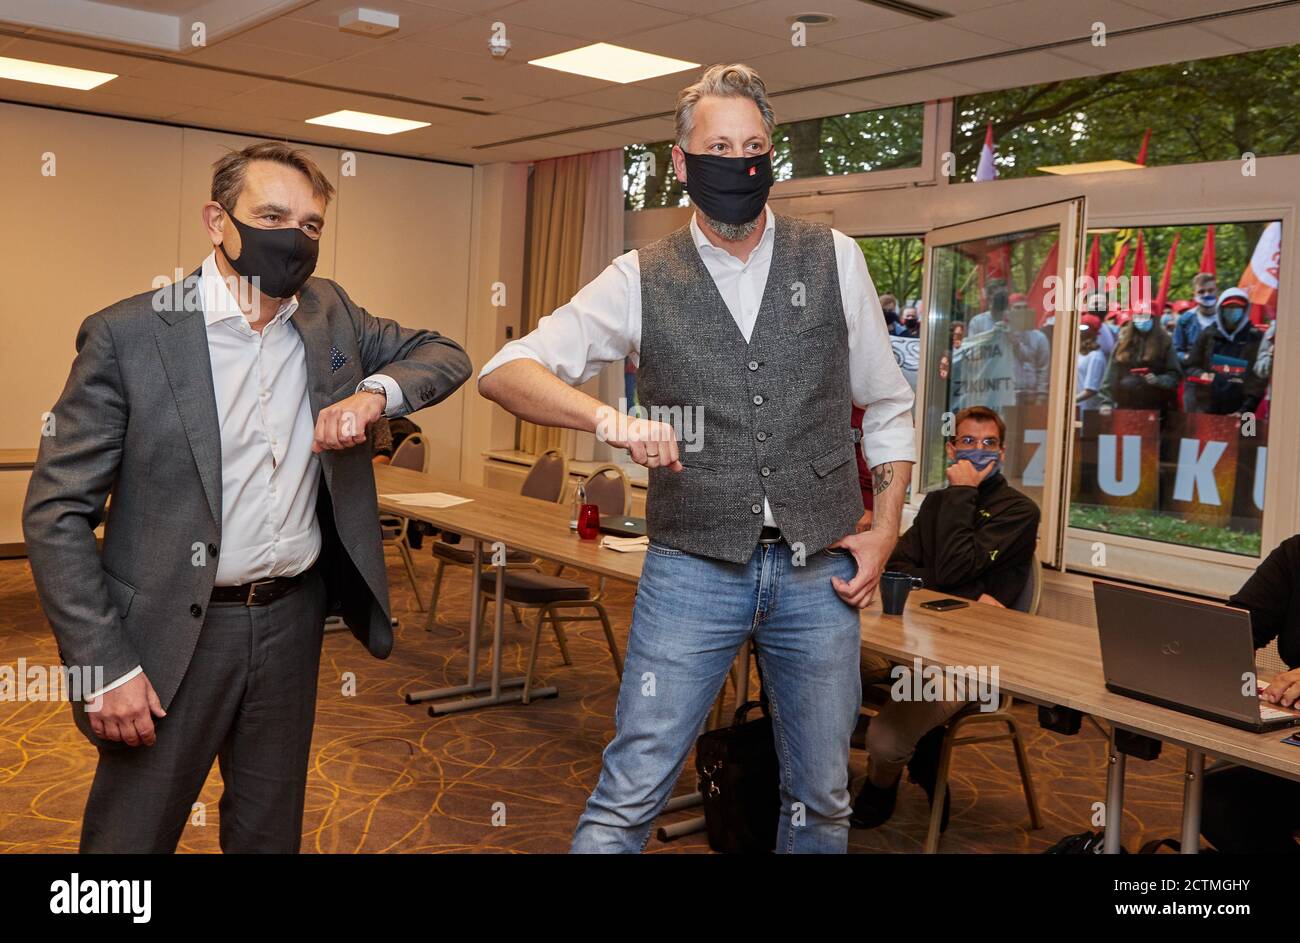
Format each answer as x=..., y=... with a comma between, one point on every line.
x=882, y=476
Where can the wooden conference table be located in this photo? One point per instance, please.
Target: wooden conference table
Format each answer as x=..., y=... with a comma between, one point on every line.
x=1053, y=663
x=537, y=527
x=1039, y=660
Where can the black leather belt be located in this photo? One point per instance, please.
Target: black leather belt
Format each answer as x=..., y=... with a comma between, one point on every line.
x=258, y=592
x=769, y=535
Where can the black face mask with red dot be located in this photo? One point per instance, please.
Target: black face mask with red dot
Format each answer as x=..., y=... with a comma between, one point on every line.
x=729, y=189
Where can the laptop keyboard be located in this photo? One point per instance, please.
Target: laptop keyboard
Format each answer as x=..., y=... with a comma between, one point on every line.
x=1273, y=713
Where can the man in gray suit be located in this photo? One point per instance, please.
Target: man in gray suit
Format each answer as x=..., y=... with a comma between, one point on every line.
x=227, y=416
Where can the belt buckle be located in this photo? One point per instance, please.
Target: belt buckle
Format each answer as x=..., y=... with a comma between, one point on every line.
x=252, y=590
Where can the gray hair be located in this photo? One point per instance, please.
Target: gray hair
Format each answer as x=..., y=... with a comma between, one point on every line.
x=724, y=81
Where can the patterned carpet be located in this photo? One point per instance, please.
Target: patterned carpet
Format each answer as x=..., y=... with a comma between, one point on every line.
x=386, y=777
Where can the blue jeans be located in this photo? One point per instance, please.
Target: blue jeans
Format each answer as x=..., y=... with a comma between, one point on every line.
x=691, y=616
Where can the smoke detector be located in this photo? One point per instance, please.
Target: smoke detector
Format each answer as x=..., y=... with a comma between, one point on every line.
x=368, y=22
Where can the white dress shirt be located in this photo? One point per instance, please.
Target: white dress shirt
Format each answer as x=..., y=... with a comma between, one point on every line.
x=269, y=474
x=602, y=325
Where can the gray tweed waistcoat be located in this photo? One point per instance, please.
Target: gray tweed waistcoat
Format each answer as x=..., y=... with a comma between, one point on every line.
x=772, y=415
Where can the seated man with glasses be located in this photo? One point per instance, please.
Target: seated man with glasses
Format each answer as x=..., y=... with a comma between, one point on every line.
x=974, y=539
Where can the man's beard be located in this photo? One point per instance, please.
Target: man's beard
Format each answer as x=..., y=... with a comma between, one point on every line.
x=734, y=232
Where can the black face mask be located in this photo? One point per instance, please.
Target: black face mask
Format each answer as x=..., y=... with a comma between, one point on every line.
x=729, y=189
x=281, y=259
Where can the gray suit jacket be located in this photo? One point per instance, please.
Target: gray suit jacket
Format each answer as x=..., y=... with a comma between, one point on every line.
x=138, y=419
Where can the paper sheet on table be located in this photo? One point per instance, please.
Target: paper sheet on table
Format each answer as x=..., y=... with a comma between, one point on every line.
x=625, y=544
x=428, y=499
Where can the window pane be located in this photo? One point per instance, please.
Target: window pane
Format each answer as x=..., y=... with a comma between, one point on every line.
x=895, y=264
x=1172, y=444
x=991, y=323
x=1206, y=110
x=884, y=139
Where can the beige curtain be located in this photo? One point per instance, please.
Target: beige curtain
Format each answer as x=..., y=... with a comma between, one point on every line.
x=575, y=228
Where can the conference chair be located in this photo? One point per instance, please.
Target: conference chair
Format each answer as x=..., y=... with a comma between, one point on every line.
x=877, y=678
x=412, y=454
x=545, y=481
x=972, y=717
x=556, y=599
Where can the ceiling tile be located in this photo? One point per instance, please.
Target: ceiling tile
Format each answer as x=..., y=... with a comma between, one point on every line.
x=955, y=7
x=1013, y=71
x=918, y=44
x=1029, y=22
x=33, y=49
x=649, y=130
x=414, y=17
x=233, y=54
x=630, y=98
x=476, y=7
x=772, y=17
x=705, y=41
x=311, y=38
x=485, y=129
x=1260, y=30
x=1176, y=44
x=471, y=35
x=364, y=78
x=590, y=140
x=180, y=94
x=905, y=89
x=568, y=113
x=210, y=78
x=695, y=7
x=807, y=66
x=533, y=150
x=422, y=61
x=602, y=21
x=1184, y=8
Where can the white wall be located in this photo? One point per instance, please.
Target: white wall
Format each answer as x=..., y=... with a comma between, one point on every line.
x=122, y=209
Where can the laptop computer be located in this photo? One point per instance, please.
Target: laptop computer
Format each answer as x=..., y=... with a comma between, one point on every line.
x=1188, y=655
x=623, y=526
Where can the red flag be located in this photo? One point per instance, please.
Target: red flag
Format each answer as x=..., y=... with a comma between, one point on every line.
x=1140, y=286
x=1142, y=152
x=1163, y=296
x=1207, y=254
x=1094, y=260
x=1038, y=291
x=999, y=263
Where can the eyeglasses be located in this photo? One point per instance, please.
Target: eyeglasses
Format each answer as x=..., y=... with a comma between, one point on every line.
x=969, y=441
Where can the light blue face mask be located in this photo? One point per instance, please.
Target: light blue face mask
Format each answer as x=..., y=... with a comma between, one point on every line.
x=1232, y=315
x=980, y=458
x=1143, y=325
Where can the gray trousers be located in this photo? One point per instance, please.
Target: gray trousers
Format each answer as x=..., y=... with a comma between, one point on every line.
x=248, y=700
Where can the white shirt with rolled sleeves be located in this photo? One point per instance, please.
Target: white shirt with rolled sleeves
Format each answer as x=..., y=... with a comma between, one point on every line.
x=269, y=474
x=602, y=325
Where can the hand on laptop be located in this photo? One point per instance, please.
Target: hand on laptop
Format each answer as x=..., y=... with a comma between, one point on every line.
x=1284, y=689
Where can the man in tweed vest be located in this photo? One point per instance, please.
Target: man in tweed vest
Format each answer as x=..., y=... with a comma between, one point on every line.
x=762, y=332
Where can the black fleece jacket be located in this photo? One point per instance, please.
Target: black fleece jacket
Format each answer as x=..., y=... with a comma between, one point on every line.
x=1272, y=594
x=967, y=541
